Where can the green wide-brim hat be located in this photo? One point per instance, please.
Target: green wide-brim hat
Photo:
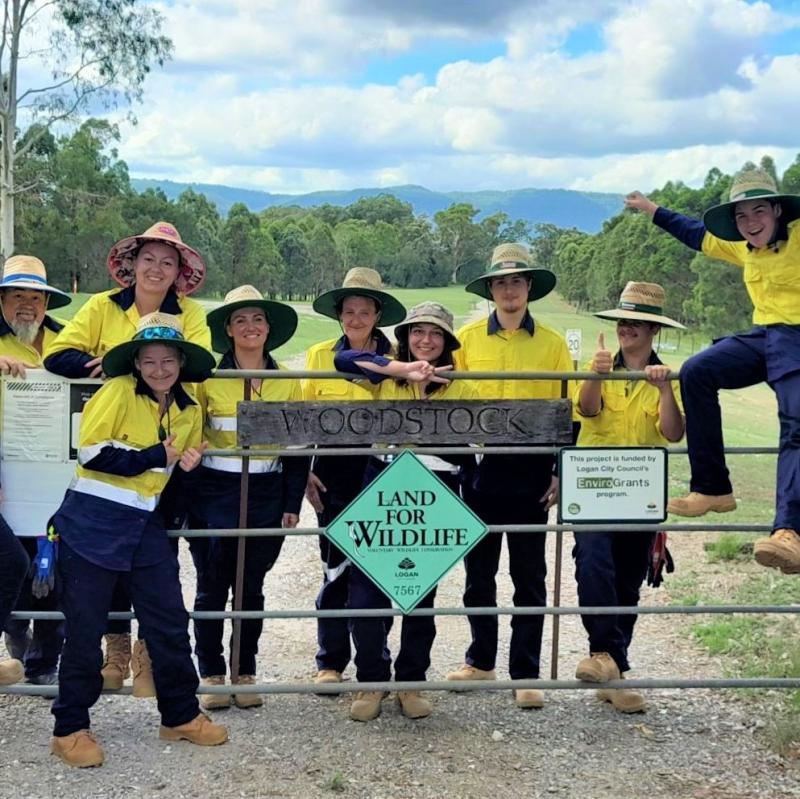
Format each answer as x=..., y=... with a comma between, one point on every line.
x=513, y=259
x=750, y=184
x=282, y=318
x=361, y=281
x=160, y=328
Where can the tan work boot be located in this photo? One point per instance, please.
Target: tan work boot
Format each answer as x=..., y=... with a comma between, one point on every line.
x=467, y=672
x=781, y=551
x=326, y=676
x=200, y=730
x=528, y=698
x=247, y=700
x=623, y=699
x=117, y=661
x=367, y=705
x=413, y=705
x=598, y=667
x=80, y=749
x=214, y=701
x=11, y=671
x=694, y=504
x=142, y=668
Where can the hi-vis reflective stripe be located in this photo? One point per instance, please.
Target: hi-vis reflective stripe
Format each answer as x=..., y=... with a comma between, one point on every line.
x=232, y=464
x=85, y=454
x=125, y=496
x=226, y=424
x=332, y=574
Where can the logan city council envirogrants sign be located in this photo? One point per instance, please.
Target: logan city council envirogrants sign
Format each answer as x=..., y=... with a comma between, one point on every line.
x=406, y=530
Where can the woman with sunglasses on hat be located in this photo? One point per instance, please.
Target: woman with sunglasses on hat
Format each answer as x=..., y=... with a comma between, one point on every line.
x=610, y=567
x=246, y=328
x=156, y=272
x=135, y=430
x=360, y=306
x=758, y=229
x=425, y=346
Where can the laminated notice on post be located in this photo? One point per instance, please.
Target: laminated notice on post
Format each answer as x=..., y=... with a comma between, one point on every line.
x=613, y=484
x=34, y=418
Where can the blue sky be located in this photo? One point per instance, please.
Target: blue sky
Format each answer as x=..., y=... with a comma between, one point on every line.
x=603, y=95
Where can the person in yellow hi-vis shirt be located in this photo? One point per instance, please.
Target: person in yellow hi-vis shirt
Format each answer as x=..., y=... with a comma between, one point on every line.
x=510, y=489
x=135, y=431
x=360, y=306
x=758, y=229
x=610, y=567
x=157, y=272
x=245, y=328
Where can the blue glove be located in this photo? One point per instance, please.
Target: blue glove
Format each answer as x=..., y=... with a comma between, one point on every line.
x=43, y=568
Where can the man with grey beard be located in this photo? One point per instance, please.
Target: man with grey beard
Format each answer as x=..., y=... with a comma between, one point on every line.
x=25, y=332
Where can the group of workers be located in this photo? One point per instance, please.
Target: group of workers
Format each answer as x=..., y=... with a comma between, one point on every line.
x=143, y=468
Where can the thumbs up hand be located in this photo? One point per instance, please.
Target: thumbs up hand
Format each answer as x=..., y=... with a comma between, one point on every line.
x=603, y=361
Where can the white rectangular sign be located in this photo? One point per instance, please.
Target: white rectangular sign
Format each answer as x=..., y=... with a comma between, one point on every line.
x=613, y=484
x=574, y=338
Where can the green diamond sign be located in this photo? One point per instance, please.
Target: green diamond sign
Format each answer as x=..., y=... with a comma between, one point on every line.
x=406, y=530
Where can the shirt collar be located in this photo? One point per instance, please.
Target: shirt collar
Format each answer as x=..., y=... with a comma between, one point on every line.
x=125, y=298
x=182, y=398
x=48, y=322
x=228, y=361
x=382, y=343
x=653, y=360
x=493, y=323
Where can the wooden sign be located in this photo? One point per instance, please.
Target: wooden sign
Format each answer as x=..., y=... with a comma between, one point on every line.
x=418, y=422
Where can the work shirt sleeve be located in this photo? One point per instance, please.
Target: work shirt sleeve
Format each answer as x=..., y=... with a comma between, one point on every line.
x=686, y=229
x=195, y=327
x=346, y=361
x=77, y=343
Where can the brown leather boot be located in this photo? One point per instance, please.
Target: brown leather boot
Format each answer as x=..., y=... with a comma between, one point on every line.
x=781, y=551
x=598, y=667
x=117, y=661
x=11, y=671
x=695, y=504
x=143, y=685
x=367, y=705
x=79, y=750
x=625, y=700
x=414, y=705
x=247, y=700
x=214, y=701
x=200, y=730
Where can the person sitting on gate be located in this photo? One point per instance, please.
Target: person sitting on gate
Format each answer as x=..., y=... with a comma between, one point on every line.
x=134, y=431
x=359, y=306
x=610, y=567
x=156, y=272
x=26, y=329
x=510, y=489
x=246, y=328
x=758, y=229
x=425, y=347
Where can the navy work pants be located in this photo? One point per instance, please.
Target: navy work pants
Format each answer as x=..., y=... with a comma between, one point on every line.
x=215, y=562
x=527, y=567
x=44, y=648
x=765, y=353
x=610, y=569
x=155, y=590
x=13, y=567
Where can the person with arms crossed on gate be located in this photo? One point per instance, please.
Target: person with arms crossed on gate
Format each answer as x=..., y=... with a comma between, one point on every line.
x=245, y=328
x=425, y=347
x=26, y=329
x=510, y=489
x=758, y=229
x=156, y=272
x=610, y=567
x=135, y=431
x=360, y=305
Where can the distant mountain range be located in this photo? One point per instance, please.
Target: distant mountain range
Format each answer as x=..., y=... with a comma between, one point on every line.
x=584, y=210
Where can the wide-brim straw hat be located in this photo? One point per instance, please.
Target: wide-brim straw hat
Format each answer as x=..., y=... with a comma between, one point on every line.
x=643, y=301
x=432, y=313
x=513, y=259
x=191, y=270
x=28, y=272
x=749, y=184
x=160, y=328
x=282, y=318
x=361, y=281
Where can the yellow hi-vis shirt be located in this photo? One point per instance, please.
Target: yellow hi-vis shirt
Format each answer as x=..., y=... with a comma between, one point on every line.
x=513, y=351
x=319, y=358
x=218, y=398
x=11, y=346
x=120, y=417
x=628, y=413
x=102, y=324
x=771, y=274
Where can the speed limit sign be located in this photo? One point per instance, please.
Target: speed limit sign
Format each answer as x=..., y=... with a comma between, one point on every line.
x=574, y=343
